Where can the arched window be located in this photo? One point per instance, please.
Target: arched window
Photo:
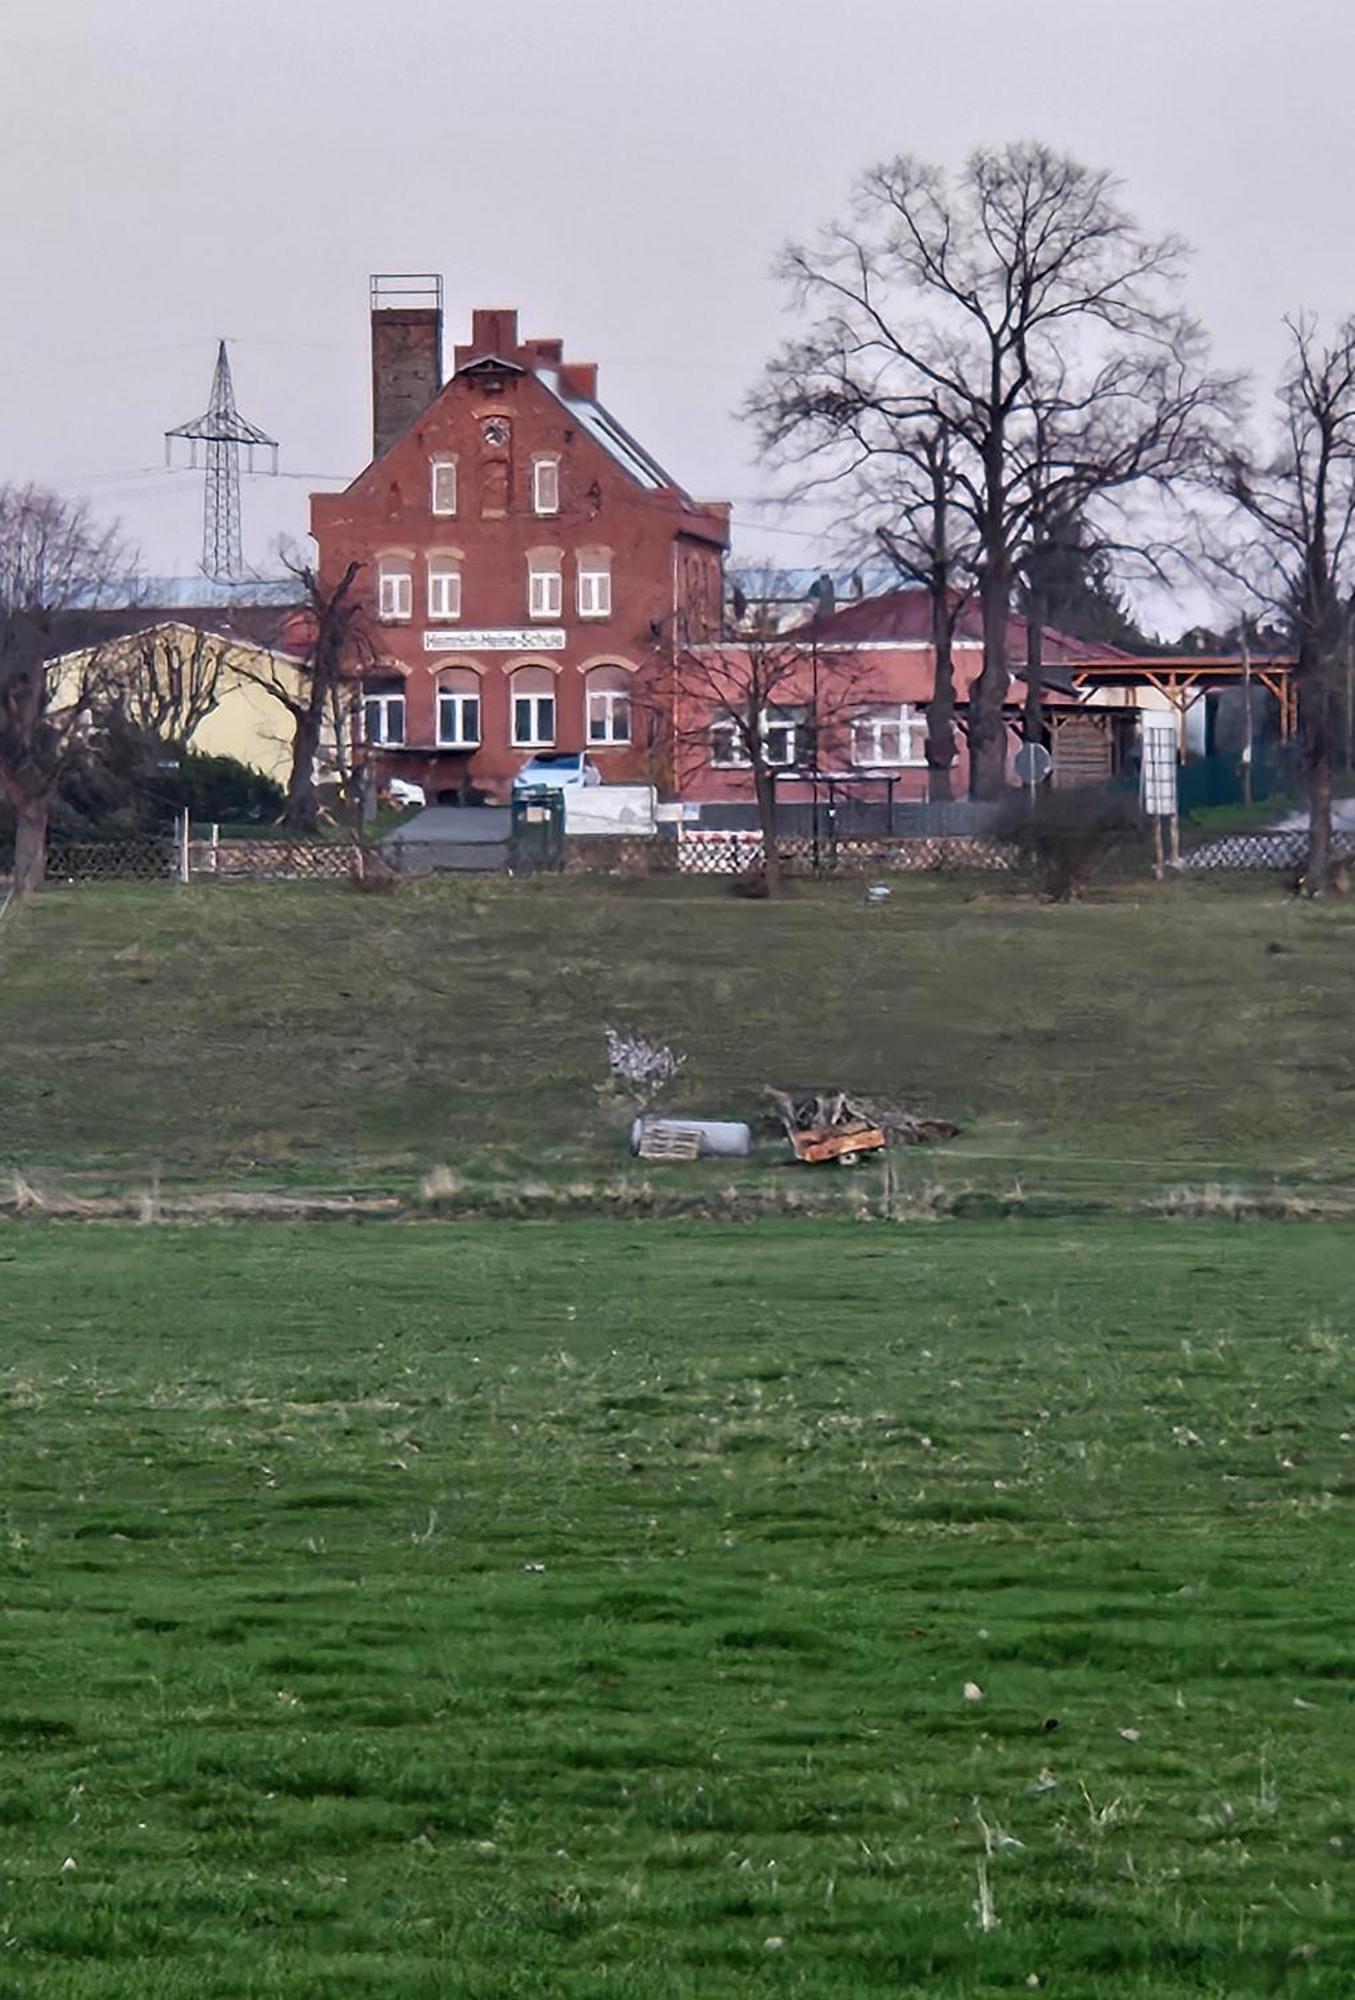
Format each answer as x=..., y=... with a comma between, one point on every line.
x=533, y=708
x=545, y=592
x=383, y=709
x=444, y=583
x=395, y=589
x=608, y=705
x=594, y=583
x=458, y=709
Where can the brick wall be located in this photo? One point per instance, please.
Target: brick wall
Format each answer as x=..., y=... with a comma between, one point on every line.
x=509, y=403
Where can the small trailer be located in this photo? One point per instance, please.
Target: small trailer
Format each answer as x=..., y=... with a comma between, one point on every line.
x=826, y=1125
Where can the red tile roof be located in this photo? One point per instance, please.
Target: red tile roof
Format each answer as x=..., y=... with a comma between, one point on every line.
x=902, y=615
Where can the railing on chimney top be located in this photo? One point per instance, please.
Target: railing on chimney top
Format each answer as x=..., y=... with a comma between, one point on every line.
x=406, y=291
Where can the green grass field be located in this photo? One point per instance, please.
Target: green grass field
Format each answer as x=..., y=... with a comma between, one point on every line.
x=300, y=1034
x=495, y=1610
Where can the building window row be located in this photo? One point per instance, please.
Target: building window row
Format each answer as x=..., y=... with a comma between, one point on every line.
x=885, y=739
x=545, y=585
x=532, y=710
x=444, y=484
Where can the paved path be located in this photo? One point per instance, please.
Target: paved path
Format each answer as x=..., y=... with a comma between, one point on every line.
x=456, y=826
x=456, y=840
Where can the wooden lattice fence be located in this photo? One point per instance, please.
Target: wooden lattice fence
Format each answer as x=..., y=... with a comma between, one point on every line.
x=79, y=862
x=298, y=860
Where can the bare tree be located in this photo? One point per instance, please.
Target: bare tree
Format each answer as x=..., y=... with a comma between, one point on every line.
x=1101, y=465
x=315, y=678
x=56, y=564
x=760, y=698
x=1037, y=290
x=167, y=679
x=1296, y=548
x=923, y=533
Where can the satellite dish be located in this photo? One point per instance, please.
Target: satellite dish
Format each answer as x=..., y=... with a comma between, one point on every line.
x=1032, y=763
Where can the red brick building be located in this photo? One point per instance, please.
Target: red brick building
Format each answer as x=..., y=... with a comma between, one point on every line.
x=527, y=563
x=875, y=674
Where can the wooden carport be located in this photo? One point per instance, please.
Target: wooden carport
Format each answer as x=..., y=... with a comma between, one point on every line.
x=1180, y=677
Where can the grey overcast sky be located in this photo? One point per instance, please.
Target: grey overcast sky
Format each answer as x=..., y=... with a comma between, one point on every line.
x=623, y=171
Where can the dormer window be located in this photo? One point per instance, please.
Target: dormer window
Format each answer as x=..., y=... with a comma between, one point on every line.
x=545, y=485
x=442, y=498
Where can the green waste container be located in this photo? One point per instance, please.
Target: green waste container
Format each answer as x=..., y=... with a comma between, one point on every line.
x=537, y=831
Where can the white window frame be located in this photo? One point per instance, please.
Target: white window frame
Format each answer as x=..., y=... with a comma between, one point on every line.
x=909, y=723
x=395, y=591
x=442, y=475
x=444, y=587
x=793, y=723
x=387, y=702
x=457, y=699
x=545, y=592
x=546, y=485
x=725, y=731
x=608, y=705
x=536, y=740
x=595, y=587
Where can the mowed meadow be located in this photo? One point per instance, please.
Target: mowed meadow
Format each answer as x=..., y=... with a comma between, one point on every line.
x=676, y=1610
x=1193, y=1035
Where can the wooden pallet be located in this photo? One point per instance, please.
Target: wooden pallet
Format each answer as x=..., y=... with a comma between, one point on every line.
x=669, y=1142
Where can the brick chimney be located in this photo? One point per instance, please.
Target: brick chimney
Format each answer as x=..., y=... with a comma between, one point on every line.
x=406, y=352
x=580, y=378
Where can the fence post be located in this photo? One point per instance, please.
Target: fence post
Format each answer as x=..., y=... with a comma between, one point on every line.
x=185, y=870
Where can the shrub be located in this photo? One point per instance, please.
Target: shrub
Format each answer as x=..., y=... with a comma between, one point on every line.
x=127, y=782
x=1066, y=838
x=222, y=788
x=640, y=1068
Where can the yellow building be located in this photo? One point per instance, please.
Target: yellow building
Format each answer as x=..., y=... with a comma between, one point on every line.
x=208, y=689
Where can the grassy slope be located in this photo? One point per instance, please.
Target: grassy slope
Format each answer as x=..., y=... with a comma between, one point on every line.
x=504, y=1612
x=1199, y=1032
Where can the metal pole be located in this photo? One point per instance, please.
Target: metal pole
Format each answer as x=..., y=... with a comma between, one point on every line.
x=1247, y=743
x=814, y=741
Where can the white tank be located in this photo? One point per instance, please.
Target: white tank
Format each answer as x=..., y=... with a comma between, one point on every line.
x=717, y=1138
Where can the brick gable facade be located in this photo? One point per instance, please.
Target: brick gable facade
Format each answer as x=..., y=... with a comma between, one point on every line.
x=526, y=564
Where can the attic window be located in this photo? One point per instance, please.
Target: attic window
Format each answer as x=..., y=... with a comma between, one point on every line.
x=545, y=485
x=442, y=498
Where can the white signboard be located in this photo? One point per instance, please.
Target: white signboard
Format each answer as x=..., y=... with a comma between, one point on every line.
x=540, y=639
x=609, y=809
